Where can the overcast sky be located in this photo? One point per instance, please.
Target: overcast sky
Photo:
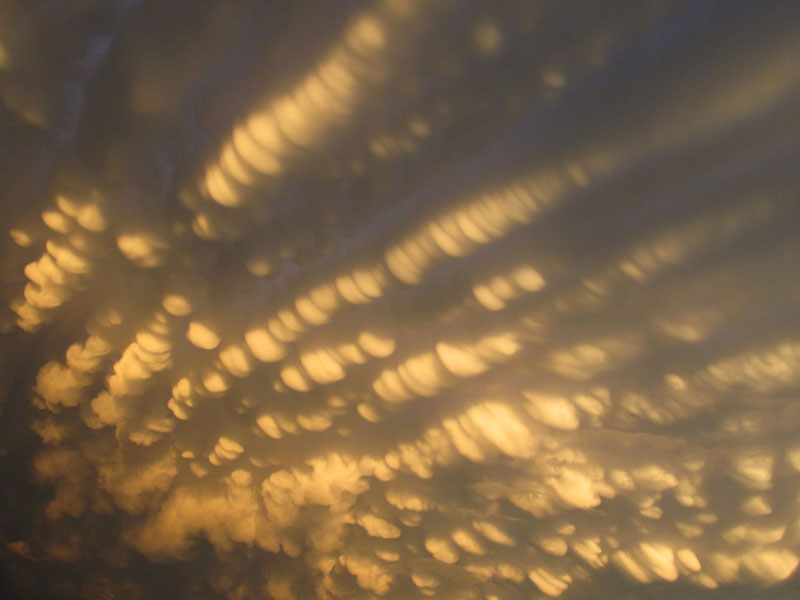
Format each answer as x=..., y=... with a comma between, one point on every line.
x=399, y=299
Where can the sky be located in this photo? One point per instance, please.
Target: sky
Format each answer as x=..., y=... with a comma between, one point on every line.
x=399, y=299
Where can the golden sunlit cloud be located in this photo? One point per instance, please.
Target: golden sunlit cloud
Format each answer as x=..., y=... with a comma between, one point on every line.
x=400, y=299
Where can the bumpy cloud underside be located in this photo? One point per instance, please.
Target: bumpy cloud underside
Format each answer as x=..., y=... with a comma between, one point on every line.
x=400, y=299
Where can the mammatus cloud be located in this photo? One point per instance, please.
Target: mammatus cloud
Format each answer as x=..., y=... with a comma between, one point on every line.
x=400, y=299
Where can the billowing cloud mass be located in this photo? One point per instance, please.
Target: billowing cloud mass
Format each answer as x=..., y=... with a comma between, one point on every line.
x=400, y=299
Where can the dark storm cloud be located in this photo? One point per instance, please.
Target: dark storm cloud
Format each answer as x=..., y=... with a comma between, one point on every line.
x=399, y=299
